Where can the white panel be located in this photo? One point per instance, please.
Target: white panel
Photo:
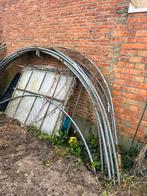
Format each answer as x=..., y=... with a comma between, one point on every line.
x=35, y=81
x=49, y=84
x=50, y=120
x=63, y=87
x=24, y=108
x=24, y=79
x=39, y=111
x=13, y=104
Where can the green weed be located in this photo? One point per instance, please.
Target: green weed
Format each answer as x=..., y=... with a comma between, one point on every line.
x=128, y=157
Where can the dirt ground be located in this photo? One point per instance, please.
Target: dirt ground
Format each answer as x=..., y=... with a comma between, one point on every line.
x=31, y=167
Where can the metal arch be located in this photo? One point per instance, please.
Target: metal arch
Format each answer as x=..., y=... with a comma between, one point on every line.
x=103, y=122
x=71, y=65
x=96, y=100
x=101, y=107
x=104, y=84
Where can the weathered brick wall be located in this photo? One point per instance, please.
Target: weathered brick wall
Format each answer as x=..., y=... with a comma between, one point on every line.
x=101, y=29
x=130, y=84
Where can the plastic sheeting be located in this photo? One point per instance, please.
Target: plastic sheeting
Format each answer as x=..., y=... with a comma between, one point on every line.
x=37, y=111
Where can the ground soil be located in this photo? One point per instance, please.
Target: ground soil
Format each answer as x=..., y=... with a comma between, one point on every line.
x=31, y=167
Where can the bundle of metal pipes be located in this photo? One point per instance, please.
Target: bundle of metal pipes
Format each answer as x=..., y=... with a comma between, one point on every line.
x=96, y=86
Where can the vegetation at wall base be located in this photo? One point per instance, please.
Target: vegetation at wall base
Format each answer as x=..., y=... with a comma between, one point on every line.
x=128, y=156
x=74, y=146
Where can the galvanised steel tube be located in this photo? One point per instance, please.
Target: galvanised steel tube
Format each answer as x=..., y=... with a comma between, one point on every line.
x=89, y=71
x=32, y=49
x=68, y=64
x=17, y=53
x=112, y=144
x=111, y=139
x=109, y=149
x=111, y=103
x=89, y=85
x=110, y=170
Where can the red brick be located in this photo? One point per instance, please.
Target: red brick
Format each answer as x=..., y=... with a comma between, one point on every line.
x=134, y=46
x=141, y=33
x=135, y=59
x=137, y=20
x=142, y=53
x=119, y=33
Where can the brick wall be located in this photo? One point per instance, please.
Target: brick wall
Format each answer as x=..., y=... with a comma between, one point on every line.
x=130, y=84
x=101, y=29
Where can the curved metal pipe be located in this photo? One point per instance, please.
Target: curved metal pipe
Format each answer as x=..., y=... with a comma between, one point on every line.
x=103, y=111
x=102, y=118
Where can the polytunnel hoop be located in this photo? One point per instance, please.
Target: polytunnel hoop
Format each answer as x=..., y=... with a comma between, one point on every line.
x=105, y=124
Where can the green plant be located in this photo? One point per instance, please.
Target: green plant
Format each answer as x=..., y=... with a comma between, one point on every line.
x=74, y=146
x=71, y=144
x=104, y=193
x=60, y=139
x=46, y=162
x=96, y=165
x=128, y=157
x=35, y=132
x=93, y=145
